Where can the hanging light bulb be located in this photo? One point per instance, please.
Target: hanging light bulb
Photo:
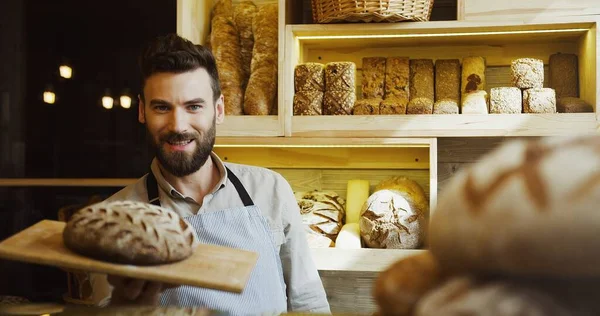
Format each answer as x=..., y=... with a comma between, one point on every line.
x=107, y=102
x=49, y=97
x=125, y=101
x=65, y=71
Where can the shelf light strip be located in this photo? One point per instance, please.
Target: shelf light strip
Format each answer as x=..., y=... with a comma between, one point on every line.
x=363, y=36
x=321, y=146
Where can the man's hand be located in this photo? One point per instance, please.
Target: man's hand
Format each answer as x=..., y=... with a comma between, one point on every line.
x=128, y=291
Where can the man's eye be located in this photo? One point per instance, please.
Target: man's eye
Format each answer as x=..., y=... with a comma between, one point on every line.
x=161, y=108
x=195, y=107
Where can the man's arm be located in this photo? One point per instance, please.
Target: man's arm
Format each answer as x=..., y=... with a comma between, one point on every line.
x=304, y=286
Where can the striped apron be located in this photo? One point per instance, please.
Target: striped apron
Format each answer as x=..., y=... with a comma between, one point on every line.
x=243, y=228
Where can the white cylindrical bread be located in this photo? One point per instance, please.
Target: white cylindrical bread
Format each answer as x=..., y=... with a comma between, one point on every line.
x=526, y=208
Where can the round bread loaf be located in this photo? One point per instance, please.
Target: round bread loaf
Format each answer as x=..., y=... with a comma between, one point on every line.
x=399, y=288
x=322, y=211
x=129, y=232
x=468, y=296
x=526, y=208
x=394, y=216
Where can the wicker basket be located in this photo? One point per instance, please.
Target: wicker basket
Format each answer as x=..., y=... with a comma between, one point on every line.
x=332, y=11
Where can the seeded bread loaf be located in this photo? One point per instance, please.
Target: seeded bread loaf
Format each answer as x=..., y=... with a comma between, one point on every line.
x=340, y=76
x=338, y=102
x=422, y=93
x=397, y=76
x=564, y=75
x=507, y=100
x=447, y=86
x=308, y=102
x=539, y=100
x=309, y=76
x=527, y=73
x=130, y=232
x=373, y=77
x=366, y=107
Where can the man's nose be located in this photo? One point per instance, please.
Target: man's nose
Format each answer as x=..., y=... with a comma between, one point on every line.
x=178, y=121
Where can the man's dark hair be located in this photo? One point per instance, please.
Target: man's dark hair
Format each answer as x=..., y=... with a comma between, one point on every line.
x=175, y=54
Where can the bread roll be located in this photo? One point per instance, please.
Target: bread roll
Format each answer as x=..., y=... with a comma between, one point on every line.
x=527, y=208
x=393, y=105
x=527, y=73
x=309, y=76
x=572, y=105
x=475, y=102
x=261, y=92
x=397, y=74
x=225, y=44
x=539, y=100
x=308, y=102
x=366, y=107
x=399, y=288
x=394, y=216
x=243, y=15
x=466, y=295
x=472, y=75
x=421, y=87
x=506, y=100
x=322, y=211
x=338, y=102
x=130, y=233
x=564, y=75
x=373, y=77
x=340, y=76
x=445, y=107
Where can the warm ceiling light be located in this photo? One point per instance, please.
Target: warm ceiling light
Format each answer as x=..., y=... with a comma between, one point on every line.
x=125, y=101
x=49, y=97
x=65, y=71
x=107, y=102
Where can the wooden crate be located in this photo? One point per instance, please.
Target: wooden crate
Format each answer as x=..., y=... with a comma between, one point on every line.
x=498, y=41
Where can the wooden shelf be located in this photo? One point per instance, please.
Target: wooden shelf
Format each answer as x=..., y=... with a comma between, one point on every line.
x=247, y=125
x=458, y=125
x=358, y=260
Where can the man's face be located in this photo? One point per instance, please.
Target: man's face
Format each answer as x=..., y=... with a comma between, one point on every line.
x=180, y=116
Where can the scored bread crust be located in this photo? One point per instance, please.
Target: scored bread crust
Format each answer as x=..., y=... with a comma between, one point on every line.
x=129, y=232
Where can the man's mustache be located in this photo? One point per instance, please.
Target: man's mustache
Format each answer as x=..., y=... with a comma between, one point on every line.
x=177, y=137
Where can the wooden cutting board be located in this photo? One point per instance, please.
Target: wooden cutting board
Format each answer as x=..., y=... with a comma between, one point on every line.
x=211, y=266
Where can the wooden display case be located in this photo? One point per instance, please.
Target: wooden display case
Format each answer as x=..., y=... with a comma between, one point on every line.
x=499, y=42
x=328, y=163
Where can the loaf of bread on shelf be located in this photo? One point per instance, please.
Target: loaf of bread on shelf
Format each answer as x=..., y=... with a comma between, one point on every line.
x=475, y=102
x=397, y=77
x=322, y=211
x=338, y=102
x=222, y=8
x=527, y=73
x=564, y=75
x=399, y=287
x=261, y=93
x=366, y=107
x=472, y=295
x=506, y=100
x=308, y=102
x=373, y=77
x=573, y=105
x=243, y=15
x=309, y=76
x=447, y=86
x=316, y=240
x=393, y=105
x=128, y=232
x=394, y=216
x=340, y=76
x=509, y=213
x=472, y=75
x=422, y=93
x=225, y=44
x=539, y=100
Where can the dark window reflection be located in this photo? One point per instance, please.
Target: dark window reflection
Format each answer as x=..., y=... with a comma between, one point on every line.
x=74, y=137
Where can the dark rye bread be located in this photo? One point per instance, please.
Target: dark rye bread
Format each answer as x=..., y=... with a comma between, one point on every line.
x=129, y=232
x=530, y=207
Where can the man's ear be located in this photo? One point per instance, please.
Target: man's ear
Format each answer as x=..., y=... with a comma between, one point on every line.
x=141, y=109
x=220, y=110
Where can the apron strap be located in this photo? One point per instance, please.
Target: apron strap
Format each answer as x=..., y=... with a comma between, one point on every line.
x=152, y=188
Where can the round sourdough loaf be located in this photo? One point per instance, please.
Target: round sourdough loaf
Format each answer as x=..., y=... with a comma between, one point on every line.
x=130, y=232
x=528, y=207
x=394, y=215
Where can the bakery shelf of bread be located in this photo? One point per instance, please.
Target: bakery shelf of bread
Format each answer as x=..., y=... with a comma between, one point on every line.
x=451, y=78
x=364, y=202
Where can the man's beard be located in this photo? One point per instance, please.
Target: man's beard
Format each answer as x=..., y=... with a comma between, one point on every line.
x=182, y=163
